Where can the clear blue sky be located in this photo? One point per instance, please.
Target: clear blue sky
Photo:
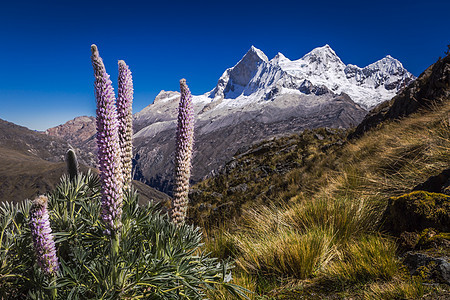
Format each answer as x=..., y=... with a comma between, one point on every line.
x=47, y=78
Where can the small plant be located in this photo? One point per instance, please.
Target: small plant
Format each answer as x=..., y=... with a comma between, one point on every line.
x=72, y=164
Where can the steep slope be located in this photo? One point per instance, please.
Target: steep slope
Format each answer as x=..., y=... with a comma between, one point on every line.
x=218, y=136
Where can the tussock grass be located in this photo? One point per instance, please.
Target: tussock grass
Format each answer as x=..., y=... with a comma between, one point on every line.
x=369, y=258
x=219, y=243
x=286, y=254
x=391, y=160
x=344, y=216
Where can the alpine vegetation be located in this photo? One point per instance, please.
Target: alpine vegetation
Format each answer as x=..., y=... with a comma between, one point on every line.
x=41, y=234
x=105, y=245
x=72, y=164
x=183, y=154
x=125, y=115
x=109, y=151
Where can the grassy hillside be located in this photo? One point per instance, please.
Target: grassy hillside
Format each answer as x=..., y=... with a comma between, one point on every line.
x=303, y=215
x=24, y=176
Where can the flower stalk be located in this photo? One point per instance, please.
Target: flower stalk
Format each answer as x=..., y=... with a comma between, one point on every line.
x=125, y=118
x=41, y=233
x=43, y=242
x=109, y=152
x=183, y=154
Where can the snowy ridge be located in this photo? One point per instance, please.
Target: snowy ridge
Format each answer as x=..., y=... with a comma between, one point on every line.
x=255, y=78
x=257, y=83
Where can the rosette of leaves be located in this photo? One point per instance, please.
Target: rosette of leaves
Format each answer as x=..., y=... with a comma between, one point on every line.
x=156, y=259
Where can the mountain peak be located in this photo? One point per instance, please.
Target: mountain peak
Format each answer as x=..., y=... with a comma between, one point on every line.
x=389, y=58
x=389, y=65
x=323, y=51
x=279, y=58
x=322, y=56
x=255, y=51
x=165, y=96
x=245, y=69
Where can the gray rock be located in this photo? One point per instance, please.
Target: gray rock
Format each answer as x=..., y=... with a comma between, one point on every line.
x=438, y=269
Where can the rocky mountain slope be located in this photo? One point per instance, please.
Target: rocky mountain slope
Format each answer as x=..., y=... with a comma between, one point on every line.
x=256, y=99
x=79, y=132
x=34, y=143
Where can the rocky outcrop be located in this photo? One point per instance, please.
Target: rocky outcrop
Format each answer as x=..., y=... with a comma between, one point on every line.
x=437, y=184
x=80, y=133
x=417, y=211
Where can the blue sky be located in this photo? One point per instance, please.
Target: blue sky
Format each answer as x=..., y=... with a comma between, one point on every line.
x=47, y=78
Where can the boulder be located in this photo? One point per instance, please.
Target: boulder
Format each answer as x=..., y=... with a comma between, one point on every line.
x=417, y=211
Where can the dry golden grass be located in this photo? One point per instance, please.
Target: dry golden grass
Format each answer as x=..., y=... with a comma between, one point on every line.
x=395, y=289
x=285, y=254
x=327, y=231
x=366, y=259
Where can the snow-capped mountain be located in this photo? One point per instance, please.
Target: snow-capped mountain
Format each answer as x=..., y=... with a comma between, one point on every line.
x=255, y=78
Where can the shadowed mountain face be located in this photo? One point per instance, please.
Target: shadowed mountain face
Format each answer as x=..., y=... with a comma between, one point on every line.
x=32, y=163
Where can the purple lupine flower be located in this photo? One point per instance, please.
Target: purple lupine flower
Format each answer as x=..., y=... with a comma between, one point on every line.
x=183, y=155
x=41, y=233
x=109, y=155
x=125, y=117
